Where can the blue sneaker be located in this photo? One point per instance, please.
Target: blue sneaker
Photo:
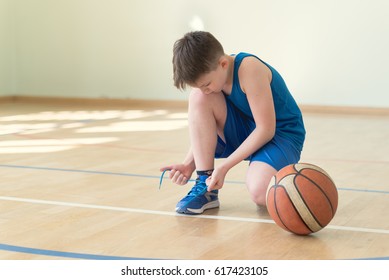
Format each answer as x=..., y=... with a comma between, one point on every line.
x=198, y=200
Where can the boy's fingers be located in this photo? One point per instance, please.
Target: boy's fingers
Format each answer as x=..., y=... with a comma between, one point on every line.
x=165, y=168
x=210, y=183
x=172, y=173
x=181, y=179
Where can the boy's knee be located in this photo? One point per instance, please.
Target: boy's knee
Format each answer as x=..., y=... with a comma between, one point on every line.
x=257, y=192
x=259, y=199
x=257, y=181
x=196, y=96
x=198, y=102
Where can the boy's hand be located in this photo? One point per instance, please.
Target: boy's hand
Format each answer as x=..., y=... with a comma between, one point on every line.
x=216, y=180
x=179, y=173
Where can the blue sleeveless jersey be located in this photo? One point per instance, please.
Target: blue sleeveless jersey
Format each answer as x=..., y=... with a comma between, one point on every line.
x=289, y=121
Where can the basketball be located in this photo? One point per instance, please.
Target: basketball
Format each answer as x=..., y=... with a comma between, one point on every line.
x=302, y=198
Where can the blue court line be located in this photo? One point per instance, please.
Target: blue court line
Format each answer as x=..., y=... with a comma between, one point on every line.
x=78, y=171
x=53, y=253
x=375, y=259
x=149, y=176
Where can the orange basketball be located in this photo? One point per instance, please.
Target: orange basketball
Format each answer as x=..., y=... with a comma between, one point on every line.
x=302, y=198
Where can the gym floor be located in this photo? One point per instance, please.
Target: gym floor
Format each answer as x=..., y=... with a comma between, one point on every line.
x=81, y=182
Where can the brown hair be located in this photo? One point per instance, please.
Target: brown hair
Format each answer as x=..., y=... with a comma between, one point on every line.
x=195, y=54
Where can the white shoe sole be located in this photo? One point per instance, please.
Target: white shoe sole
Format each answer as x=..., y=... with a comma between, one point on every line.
x=210, y=205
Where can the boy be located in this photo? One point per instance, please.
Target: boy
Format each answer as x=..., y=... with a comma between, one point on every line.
x=239, y=109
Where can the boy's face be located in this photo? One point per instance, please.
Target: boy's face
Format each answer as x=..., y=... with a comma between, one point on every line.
x=214, y=81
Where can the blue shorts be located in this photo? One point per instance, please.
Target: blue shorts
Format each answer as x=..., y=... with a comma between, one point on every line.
x=278, y=152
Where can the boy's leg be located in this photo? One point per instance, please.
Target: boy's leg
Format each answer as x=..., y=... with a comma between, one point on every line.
x=207, y=116
x=265, y=163
x=258, y=177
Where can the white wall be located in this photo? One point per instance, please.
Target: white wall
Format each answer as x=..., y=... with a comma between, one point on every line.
x=6, y=44
x=96, y=48
x=332, y=52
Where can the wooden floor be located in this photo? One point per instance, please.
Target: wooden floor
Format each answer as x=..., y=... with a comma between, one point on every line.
x=82, y=182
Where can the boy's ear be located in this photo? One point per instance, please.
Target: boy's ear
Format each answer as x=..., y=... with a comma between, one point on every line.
x=223, y=62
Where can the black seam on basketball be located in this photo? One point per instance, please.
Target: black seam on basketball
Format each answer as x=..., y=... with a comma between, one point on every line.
x=328, y=199
x=328, y=176
x=302, y=198
x=275, y=206
x=281, y=186
x=296, y=208
x=322, y=191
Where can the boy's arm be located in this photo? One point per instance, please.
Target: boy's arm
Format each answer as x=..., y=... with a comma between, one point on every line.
x=255, y=79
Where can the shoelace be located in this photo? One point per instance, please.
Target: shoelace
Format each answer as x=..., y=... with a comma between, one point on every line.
x=199, y=188
x=161, y=179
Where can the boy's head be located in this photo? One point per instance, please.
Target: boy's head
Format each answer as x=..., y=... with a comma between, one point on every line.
x=194, y=55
